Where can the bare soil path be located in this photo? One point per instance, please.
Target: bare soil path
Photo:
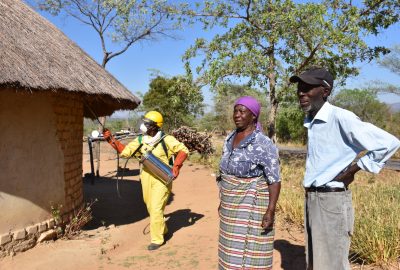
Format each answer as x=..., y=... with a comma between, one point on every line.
x=118, y=235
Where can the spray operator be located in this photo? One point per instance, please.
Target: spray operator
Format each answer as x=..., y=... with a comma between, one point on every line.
x=155, y=191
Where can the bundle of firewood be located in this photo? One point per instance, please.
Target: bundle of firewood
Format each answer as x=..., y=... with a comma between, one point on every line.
x=194, y=140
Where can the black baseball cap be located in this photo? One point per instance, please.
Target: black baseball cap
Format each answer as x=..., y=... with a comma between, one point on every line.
x=314, y=76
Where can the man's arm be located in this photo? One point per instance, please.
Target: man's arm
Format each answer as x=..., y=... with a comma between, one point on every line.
x=347, y=177
x=380, y=145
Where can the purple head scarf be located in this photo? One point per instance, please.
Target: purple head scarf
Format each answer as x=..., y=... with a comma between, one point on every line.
x=253, y=105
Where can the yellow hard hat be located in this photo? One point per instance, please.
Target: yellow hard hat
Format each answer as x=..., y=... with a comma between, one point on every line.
x=154, y=116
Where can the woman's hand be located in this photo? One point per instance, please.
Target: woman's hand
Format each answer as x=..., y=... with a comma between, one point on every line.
x=268, y=219
x=269, y=216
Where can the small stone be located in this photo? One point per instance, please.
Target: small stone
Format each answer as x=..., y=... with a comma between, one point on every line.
x=51, y=223
x=18, y=235
x=112, y=226
x=102, y=228
x=32, y=229
x=47, y=236
x=5, y=238
x=42, y=227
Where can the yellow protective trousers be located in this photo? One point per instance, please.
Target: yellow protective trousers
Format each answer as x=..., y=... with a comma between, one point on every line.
x=155, y=196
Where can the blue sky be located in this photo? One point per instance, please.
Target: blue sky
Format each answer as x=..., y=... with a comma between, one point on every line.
x=133, y=68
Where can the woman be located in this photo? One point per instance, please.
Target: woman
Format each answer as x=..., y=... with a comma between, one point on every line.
x=249, y=189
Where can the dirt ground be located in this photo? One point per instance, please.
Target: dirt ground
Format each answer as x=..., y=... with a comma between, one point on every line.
x=118, y=235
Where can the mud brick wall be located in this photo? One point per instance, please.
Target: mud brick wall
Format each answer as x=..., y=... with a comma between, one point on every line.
x=46, y=129
x=69, y=123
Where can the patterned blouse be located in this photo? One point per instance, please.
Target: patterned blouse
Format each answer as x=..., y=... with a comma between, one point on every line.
x=254, y=156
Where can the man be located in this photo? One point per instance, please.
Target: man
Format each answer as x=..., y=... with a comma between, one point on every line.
x=335, y=137
x=155, y=192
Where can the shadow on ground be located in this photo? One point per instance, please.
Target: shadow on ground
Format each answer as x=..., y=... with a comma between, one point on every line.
x=112, y=207
x=119, y=202
x=292, y=256
x=179, y=219
x=124, y=172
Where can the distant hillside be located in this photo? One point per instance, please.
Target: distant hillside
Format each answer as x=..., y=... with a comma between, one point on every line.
x=395, y=107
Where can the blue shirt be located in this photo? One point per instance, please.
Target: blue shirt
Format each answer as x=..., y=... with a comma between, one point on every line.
x=254, y=156
x=335, y=137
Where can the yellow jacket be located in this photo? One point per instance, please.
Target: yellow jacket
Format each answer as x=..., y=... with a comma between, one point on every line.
x=172, y=144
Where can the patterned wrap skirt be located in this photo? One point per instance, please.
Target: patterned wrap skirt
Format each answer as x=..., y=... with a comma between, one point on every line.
x=243, y=244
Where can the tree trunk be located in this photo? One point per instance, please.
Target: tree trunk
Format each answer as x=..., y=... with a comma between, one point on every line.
x=272, y=118
x=102, y=121
x=272, y=99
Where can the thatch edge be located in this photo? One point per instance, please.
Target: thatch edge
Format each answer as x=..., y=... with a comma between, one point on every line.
x=94, y=105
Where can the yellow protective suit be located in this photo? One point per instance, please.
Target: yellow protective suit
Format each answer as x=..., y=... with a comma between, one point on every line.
x=155, y=193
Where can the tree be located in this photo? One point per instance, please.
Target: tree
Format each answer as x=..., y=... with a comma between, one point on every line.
x=177, y=99
x=268, y=40
x=225, y=95
x=125, y=22
x=391, y=62
x=289, y=124
x=364, y=104
x=206, y=122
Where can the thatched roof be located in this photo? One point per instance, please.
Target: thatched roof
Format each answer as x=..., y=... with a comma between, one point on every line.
x=36, y=56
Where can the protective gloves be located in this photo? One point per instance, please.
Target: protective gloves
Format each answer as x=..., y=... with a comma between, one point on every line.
x=117, y=145
x=180, y=158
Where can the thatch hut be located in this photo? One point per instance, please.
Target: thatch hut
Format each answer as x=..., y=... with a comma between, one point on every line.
x=47, y=86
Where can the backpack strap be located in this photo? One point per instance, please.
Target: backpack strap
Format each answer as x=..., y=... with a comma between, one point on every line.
x=164, y=146
x=140, y=146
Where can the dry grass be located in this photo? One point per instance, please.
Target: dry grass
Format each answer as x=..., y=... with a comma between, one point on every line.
x=291, y=200
x=376, y=239
x=377, y=228
x=376, y=200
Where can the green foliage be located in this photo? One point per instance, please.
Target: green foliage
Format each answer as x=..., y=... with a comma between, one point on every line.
x=394, y=127
x=113, y=124
x=88, y=126
x=289, y=125
x=225, y=96
x=267, y=41
x=207, y=122
x=56, y=212
x=177, y=99
x=116, y=124
x=364, y=104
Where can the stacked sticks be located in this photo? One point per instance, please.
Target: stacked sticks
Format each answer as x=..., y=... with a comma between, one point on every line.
x=194, y=140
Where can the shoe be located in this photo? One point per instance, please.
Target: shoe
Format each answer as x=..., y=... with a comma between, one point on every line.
x=153, y=246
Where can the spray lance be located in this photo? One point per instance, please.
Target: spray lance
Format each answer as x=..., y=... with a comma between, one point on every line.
x=95, y=134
